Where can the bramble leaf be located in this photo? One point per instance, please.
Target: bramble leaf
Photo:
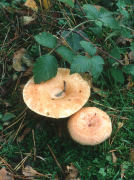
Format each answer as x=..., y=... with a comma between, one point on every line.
x=91, y=11
x=129, y=69
x=68, y=2
x=65, y=53
x=46, y=39
x=7, y=116
x=88, y=47
x=82, y=64
x=45, y=68
x=117, y=75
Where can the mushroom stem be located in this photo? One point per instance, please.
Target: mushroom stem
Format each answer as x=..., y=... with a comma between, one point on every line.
x=60, y=93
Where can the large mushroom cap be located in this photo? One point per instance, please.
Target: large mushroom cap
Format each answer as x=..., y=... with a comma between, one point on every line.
x=90, y=126
x=58, y=97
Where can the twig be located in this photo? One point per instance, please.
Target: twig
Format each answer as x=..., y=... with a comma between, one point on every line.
x=58, y=164
x=100, y=49
x=34, y=148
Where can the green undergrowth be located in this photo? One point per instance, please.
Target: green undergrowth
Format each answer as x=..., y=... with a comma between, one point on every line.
x=107, y=161
x=94, y=162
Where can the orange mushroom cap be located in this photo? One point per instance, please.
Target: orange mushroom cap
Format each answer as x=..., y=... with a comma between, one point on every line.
x=58, y=97
x=90, y=126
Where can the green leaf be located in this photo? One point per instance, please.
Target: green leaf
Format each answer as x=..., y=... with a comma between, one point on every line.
x=96, y=66
x=46, y=39
x=115, y=52
x=117, y=75
x=80, y=64
x=65, y=53
x=107, y=19
x=45, y=68
x=91, y=11
x=132, y=46
x=102, y=172
x=129, y=69
x=88, y=47
x=73, y=39
x=83, y=64
x=7, y=116
x=68, y=2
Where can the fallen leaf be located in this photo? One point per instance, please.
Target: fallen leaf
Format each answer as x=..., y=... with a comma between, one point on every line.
x=99, y=92
x=114, y=158
x=17, y=60
x=122, y=40
x=72, y=172
x=131, y=56
x=27, y=19
x=126, y=59
x=131, y=155
x=46, y=4
x=28, y=171
x=130, y=82
x=31, y=4
x=120, y=125
x=5, y=175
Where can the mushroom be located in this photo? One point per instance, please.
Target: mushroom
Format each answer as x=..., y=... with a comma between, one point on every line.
x=90, y=126
x=58, y=97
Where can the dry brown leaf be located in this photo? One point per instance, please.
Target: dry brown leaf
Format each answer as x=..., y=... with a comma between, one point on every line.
x=126, y=59
x=28, y=171
x=31, y=4
x=114, y=157
x=27, y=19
x=131, y=56
x=131, y=155
x=120, y=125
x=72, y=172
x=130, y=82
x=5, y=175
x=123, y=40
x=17, y=60
x=99, y=92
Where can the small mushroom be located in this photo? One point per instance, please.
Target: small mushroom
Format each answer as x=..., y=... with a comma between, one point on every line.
x=90, y=126
x=58, y=97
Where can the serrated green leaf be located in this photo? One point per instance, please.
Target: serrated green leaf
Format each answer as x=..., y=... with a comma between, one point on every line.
x=115, y=52
x=132, y=46
x=45, y=68
x=83, y=64
x=68, y=2
x=65, y=53
x=129, y=69
x=7, y=116
x=97, y=63
x=74, y=39
x=88, y=47
x=46, y=39
x=117, y=75
x=91, y=11
x=105, y=16
x=80, y=64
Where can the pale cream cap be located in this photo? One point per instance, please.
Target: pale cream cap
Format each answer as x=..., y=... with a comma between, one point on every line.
x=90, y=126
x=58, y=97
